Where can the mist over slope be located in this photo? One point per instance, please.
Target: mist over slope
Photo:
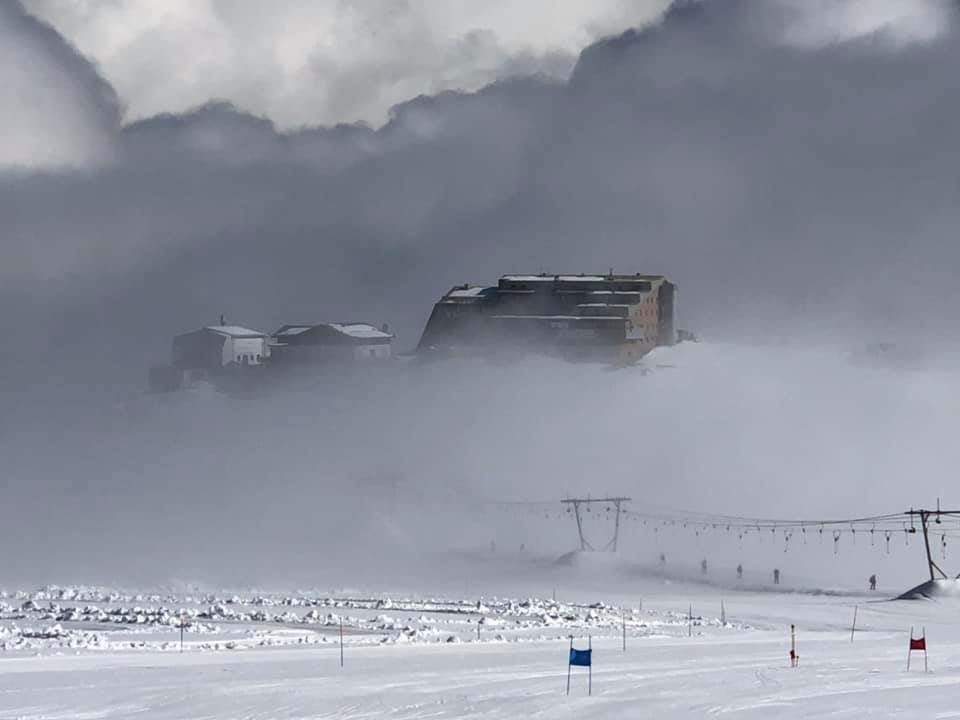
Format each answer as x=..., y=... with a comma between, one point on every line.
x=391, y=474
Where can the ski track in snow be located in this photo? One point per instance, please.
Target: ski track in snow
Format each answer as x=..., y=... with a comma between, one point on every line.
x=276, y=656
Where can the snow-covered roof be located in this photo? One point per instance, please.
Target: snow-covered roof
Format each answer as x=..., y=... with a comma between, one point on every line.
x=292, y=330
x=235, y=331
x=551, y=278
x=361, y=330
x=462, y=292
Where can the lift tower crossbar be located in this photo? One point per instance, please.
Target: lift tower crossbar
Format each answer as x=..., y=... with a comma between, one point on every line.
x=577, y=503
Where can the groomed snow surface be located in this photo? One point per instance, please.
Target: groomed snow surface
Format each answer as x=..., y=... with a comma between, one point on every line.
x=92, y=653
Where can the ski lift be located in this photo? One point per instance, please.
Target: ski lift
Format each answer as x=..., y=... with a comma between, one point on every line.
x=886, y=534
x=853, y=533
x=836, y=542
x=803, y=534
x=943, y=544
x=821, y=534
x=786, y=540
x=873, y=529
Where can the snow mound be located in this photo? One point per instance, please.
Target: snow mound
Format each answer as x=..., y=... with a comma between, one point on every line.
x=933, y=589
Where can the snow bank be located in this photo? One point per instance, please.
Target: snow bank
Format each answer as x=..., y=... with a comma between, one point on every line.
x=933, y=589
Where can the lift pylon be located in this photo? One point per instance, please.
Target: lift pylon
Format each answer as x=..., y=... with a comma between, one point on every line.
x=576, y=504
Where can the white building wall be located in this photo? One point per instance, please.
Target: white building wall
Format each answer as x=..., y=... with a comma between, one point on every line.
x=371, y=352
x=235, y=349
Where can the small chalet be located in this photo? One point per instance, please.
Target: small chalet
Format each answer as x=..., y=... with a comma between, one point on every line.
x=217, y=346
x=330, y=342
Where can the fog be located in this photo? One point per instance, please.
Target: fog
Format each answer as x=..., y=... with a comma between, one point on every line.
x=790, y=172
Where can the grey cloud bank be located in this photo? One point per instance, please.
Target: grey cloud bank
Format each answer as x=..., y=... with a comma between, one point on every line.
x=792, y=190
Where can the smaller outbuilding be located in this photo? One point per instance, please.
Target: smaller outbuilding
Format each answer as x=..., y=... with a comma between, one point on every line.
x=331, y=342
x=217, y=346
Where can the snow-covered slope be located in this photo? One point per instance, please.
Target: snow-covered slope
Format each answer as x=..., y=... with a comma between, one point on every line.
x=278, y=656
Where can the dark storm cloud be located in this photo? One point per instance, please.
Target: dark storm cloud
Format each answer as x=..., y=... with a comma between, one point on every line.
x=787, y=190
x=57, y=110
x=701, y=147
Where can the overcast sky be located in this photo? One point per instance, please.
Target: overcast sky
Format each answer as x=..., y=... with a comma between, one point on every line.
x=319, y=62
x=785, y=151
x=789, y=163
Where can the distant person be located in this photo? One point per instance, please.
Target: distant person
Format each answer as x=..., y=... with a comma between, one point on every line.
x=776, y=576
x=873, y=582
x=663, y=561
x=739, y=572
x=703, y=567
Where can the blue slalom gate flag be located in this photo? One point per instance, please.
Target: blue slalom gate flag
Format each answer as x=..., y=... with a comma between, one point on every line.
x=581, y=658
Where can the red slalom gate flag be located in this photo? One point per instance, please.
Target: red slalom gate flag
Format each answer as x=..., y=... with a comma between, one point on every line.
x=919, y=644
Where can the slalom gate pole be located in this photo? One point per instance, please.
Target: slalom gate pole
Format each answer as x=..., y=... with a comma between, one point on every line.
x=341, y=642
x=690, y=621
x=853, y=628
x=623, y=620
x=478, y=631
x=568, y=664
x=925, y=650
x=794, y=658
x=181, y=632
x=910, y=648
x=590, y=667
x=723, y=614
